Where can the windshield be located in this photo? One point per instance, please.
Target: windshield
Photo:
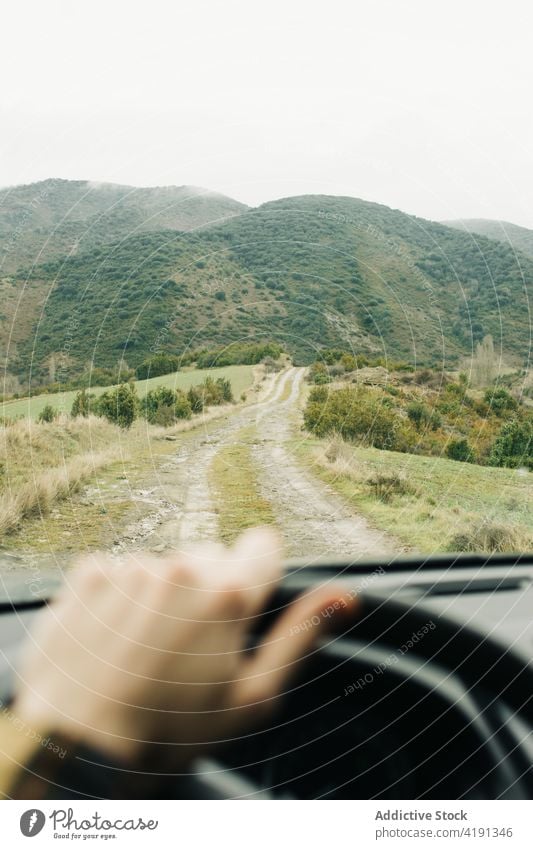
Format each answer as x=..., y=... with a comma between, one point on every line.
x=180, y=364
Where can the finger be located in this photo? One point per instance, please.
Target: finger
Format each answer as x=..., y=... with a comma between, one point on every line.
x=255, y=565
x=290, y=640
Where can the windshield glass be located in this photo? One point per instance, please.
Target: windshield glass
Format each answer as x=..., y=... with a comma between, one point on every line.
x=180, y=363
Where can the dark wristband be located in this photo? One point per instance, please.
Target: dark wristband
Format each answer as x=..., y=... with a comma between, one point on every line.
x=67, y=769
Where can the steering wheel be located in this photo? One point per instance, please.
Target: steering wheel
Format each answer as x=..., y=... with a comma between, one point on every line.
x=463, y=700
x=483, y=683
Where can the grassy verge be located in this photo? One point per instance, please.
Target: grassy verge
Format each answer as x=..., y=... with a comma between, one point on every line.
x=43, y=467
x=240, y=377
x=40, y=464
x=234, y=482
x=432, y=504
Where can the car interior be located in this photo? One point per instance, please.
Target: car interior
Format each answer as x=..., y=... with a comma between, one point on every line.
x=390, y=706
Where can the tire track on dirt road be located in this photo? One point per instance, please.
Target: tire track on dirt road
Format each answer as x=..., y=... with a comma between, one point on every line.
x=313, y=519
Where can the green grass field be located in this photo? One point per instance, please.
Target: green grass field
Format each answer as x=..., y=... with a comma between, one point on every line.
x=428, y=503
x=241, y=378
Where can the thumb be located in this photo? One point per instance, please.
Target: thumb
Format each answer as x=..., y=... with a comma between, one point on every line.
x=290, y=640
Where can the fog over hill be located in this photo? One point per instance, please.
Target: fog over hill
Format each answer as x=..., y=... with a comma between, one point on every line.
x=54, y=217
x=520, y=238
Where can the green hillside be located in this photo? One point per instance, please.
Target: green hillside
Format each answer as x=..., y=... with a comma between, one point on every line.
x=53, y=218
x=520, y=238
x=308, y=271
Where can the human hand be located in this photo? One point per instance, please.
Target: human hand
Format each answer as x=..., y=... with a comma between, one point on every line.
x=154, y=650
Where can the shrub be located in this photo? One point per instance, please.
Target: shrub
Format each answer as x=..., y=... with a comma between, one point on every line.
x=348, y=362
x=225, y=389
x=154, y=401
x=47, y=414
x=212, y=392
x=421, y=415
x=162, y=406
x=164, y=415
x=83, y=404
x=318, y=373
x=238, y=354
x=500, y=401
x=119, y=405
x=182, y=408
x=272, y=365
x=459, y=449
x=513, y=446
x=357, y=414
x=195, y=398
x=385, y=487
x=488, y=537
x=158, y=364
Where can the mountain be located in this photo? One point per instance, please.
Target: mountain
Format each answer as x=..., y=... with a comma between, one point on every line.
x=519, y=238
x=309, y=271
x=53, y=218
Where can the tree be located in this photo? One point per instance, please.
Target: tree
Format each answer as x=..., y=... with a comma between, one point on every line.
x=484, y=364
x=81, y=406
x=513, y=446
x=119, y=405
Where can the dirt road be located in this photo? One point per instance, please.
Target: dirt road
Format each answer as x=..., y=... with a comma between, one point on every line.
x=313, y=519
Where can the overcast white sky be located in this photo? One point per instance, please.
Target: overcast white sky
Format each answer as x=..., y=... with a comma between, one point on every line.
x=424, y=106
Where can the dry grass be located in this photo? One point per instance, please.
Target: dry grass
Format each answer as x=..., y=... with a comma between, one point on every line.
x=40, y=464
x=488, y=536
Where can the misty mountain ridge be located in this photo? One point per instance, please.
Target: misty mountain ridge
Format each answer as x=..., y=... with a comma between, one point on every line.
x=178, y=269
x=520, y=238
x=55, y=217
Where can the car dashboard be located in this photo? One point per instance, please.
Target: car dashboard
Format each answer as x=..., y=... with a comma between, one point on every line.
x=427, y=693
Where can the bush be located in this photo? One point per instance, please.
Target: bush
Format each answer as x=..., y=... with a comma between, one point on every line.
x=210, y=393
x=422, y=416
x=384, y=487
x=162, y=406
x=154, y=401
x=195, y=398
x=459, y=449
x=119, y=405
x=357, y=414
x=238, y=354
x=488, y=537
x=83, y=404
x=318, y=374
x=158, y=364
x=182, y=408
x=47, y=414
x=513, y=446
x=164, y=416
x=500, y=401
x=272, y=365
